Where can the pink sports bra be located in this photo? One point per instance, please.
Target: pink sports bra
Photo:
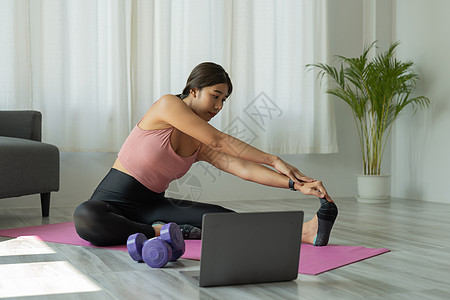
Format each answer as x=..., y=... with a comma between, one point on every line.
x=150, y=159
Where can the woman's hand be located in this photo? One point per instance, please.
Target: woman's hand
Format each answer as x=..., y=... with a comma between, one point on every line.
x=292, y=172
x=315, y=188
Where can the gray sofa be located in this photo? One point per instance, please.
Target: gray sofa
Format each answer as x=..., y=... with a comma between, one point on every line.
x=27, y=166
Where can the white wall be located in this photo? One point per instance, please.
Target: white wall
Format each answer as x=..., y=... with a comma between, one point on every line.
x=421, y=144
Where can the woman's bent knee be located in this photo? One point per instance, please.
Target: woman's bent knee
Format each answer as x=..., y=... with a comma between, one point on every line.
x=88, y=221
x=89, y=212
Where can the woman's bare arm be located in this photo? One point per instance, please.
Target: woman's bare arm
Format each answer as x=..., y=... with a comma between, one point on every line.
x=255, y=172
x=176, y=113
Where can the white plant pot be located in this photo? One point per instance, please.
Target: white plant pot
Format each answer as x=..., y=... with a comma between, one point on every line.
x=374, y=188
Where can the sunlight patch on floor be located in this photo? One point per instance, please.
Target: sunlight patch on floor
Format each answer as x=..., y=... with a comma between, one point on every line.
x=24, y=245
x=38, y=278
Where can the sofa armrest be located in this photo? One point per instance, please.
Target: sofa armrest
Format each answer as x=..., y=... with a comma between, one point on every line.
x=26, y=124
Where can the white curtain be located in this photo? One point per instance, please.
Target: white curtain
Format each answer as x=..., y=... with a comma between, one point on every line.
x=94, y=67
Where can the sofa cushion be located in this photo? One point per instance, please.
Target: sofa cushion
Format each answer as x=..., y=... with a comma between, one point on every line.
x=27, y=167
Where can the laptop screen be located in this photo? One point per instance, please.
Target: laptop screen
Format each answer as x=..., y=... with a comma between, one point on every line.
x=241, y=248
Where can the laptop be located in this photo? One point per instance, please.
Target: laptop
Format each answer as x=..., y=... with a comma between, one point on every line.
x=245, y=248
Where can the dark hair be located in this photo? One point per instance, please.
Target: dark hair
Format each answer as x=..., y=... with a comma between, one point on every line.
x=206, y=74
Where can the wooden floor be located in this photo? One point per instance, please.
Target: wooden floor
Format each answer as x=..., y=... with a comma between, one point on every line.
x=418, y=267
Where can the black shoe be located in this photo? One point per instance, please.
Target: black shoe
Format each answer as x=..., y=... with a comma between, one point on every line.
x=190, y=232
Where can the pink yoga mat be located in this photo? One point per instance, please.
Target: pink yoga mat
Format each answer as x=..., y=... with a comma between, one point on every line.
x=313, y=260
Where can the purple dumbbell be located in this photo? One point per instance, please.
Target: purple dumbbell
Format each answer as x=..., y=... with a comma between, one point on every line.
x=135, y=243
x=172, y=234
x=176, y=254
x=156, y=252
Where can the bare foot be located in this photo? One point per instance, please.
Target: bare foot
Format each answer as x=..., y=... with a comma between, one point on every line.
x=310, y=230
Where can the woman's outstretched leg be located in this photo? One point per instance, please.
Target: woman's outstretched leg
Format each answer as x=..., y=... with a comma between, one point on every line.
x=187, y=214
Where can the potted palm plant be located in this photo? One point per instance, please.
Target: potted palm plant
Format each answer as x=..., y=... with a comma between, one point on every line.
x=377, y=90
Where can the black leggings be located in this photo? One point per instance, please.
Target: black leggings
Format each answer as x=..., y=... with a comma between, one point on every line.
x=121, y=206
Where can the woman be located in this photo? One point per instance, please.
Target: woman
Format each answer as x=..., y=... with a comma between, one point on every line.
x=172, y=135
